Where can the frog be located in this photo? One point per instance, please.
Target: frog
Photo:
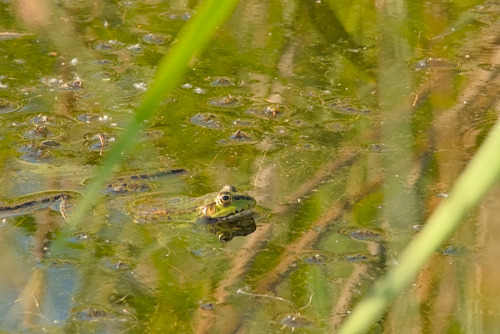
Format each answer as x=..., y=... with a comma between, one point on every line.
x=225, y=205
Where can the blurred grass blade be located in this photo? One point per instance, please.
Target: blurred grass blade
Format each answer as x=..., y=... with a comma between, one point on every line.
x=469, y=189
x=191, y=39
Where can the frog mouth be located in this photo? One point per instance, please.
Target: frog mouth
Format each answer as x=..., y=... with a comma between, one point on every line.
x=232, y=217
x=237, y=215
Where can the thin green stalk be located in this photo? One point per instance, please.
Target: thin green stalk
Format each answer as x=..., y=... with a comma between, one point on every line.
x=469, y=189
x=191, y=39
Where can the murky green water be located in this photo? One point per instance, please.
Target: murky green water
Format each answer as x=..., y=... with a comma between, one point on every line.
x=346, y=121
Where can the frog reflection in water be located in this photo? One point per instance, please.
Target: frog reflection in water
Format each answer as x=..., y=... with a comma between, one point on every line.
x=226, y=213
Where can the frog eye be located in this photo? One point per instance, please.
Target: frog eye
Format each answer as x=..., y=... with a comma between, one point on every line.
x=225, y=198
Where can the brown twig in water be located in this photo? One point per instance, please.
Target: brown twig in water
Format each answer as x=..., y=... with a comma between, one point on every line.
x=307, y=240
x=101, y=139
x=323, y=173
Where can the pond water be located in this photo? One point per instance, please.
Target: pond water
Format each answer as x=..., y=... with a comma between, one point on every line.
x=347, y=121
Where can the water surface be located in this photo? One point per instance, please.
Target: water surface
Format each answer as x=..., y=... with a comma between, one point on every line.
x=348, y=122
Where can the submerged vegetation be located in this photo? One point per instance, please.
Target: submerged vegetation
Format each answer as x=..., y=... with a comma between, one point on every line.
x=364, y=131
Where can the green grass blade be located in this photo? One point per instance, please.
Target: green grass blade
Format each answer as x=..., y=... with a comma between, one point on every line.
x=469, y=189
x=196, y=33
